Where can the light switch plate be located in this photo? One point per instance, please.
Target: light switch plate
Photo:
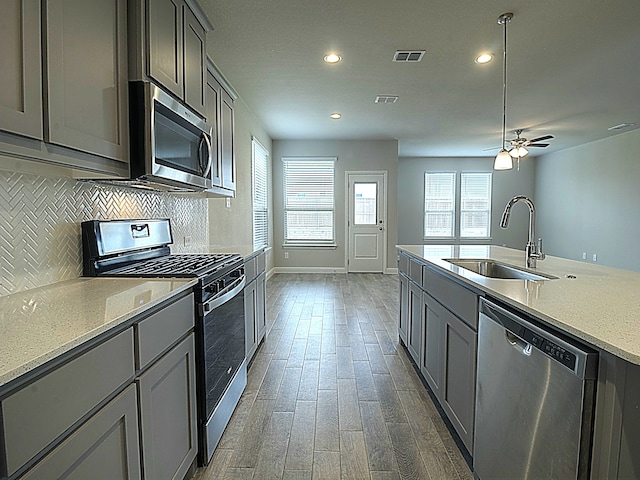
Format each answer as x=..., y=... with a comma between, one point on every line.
x=228, y=202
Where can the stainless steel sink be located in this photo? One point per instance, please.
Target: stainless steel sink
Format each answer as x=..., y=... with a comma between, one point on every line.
x=494, y=269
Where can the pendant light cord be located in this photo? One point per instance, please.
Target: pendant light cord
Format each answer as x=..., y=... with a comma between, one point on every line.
x=504, y=19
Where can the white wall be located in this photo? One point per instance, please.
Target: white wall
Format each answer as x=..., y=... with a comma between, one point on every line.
x=353, y=155
x=588, y=198
x=506, y=184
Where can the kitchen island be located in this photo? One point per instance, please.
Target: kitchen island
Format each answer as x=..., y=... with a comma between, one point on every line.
x=598, y=306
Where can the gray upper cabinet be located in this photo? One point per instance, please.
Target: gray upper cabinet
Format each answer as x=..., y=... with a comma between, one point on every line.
x=87, y=76
x=220, y=116
x=177, y=49
x=21, y=74
x=64, y=95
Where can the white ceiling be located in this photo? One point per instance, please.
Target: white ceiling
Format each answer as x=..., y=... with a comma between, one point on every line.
x=573, y=69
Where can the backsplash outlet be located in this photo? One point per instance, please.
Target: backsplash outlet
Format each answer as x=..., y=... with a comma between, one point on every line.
x=40, y=220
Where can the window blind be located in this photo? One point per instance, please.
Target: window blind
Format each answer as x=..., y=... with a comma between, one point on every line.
x=475, y=204
x=259, y=167
x=439, y=204
x=309, y=200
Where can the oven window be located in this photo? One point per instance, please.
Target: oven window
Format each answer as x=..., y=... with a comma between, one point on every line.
x=223, y=348
x=177, y=142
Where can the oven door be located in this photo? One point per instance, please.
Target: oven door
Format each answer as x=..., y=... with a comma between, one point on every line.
x=224, y=370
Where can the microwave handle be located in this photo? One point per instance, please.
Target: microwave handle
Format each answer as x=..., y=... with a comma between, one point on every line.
x=208, y=142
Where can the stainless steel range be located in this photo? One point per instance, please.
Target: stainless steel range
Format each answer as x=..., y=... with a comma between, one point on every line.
x=140, y=248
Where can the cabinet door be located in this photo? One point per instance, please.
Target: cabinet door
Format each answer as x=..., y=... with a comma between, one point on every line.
x=261, y=320
x=87, y=76
x=250, y=334
x=227, y=148
x=104, y=448
x=166, y=60
x=21, y=74
x=404, y=309
x=415, y=322
x=459, y=387
x=194, y=62
x=168, y=414
x=433, y=341
x=214, y=90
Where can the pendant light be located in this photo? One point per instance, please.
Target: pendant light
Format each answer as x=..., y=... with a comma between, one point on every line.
x=503, y=160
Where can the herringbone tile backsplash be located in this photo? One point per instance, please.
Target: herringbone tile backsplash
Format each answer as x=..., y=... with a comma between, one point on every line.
x=40, y=224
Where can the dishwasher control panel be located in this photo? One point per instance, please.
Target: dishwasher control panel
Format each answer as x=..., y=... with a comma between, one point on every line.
x=554, y=350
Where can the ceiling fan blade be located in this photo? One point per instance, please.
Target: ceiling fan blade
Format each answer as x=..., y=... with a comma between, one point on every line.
x=492, y=148
x=539, y=139
x=538, y=145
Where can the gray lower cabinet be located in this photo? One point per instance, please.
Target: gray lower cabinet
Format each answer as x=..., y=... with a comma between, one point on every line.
x=104, y=448
x=123, y=407
x=432, y=357
x=404, y=308
x=414, y=328
x=168, y=414
x=254, y=304
x=458, y=392
x=438, y=325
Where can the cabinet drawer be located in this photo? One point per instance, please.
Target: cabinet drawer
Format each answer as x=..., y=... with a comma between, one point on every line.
x=158, y=332
x=40, y=412
x=251, y=269
x=403, y=263
x=261, y=261
x=415, y=271
x=456, y=298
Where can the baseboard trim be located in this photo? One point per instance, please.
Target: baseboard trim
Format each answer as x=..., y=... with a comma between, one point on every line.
x=391, y=271
x=309, y=270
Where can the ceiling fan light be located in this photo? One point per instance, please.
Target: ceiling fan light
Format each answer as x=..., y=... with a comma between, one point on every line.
x=518, y=152
x=503, y=161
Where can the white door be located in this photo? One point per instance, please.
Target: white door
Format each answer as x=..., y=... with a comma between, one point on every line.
x=366, y=227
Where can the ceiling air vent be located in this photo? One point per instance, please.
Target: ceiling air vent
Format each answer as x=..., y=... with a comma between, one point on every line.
x=386, y=99
x=408, y=55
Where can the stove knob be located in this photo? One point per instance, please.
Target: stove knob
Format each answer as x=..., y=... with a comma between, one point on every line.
x=220, y=284
x=237, y=273
x=213, y=288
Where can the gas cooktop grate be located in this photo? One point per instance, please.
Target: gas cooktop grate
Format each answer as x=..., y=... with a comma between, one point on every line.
x=187, y=265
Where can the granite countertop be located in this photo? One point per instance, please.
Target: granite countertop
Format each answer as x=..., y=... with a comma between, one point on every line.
x=601, y=305
x=40, y=324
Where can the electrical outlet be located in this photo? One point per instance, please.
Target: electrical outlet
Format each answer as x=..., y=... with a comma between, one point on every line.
x=584, y=255
x=595, y=257
x=286, y=255
x=228, y=202
x=187, y=240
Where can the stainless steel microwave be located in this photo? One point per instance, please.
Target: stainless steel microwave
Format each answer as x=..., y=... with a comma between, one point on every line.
x=170, y=145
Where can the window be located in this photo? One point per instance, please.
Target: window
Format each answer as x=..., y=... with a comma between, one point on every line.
x=309, y=201
x=457, y=205
x=259, y=167
x=439, y=204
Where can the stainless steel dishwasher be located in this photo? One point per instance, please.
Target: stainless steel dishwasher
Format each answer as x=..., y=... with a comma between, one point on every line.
x=534, y=400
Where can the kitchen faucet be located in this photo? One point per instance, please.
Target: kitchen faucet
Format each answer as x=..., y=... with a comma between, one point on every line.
x=533, y=251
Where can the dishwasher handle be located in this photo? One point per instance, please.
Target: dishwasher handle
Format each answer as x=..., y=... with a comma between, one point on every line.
x=576, y=357
x=518, y=342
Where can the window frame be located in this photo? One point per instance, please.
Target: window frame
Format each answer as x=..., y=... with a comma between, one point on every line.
x=260, y=198
x=457, y=209
x=310, y=242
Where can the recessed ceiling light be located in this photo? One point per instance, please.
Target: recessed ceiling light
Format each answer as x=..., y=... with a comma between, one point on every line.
x=484, y=58
x=335, y=116
x=332, y=57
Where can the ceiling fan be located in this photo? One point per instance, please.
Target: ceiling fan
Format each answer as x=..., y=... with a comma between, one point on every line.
x=518, y=146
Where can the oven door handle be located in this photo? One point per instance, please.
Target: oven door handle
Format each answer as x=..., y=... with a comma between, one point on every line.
x=216, y=302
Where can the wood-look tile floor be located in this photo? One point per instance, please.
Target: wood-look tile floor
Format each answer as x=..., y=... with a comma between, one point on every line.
x=331, y=394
